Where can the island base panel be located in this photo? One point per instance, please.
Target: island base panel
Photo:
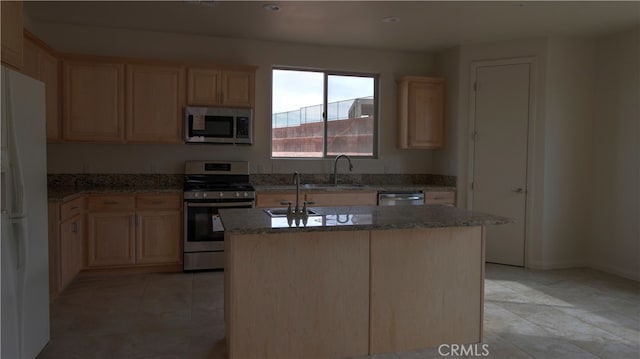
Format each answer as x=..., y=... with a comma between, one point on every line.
x=298, y=295
x=426, y=288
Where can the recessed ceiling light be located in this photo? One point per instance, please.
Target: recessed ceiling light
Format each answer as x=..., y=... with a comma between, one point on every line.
x=391, y=19
x=271, y=7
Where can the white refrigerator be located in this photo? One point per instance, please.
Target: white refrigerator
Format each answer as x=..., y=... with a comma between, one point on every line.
x=24, y=262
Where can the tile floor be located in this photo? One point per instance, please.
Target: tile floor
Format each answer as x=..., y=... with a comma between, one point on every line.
x=575, y=313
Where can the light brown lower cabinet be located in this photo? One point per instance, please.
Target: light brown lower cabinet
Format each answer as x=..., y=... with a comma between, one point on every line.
x=156, y=233
x=355, y=198
x=111, y=240
x=134, y=230
x=447, y=198
x=66, y=243
x=71, y=251
x=343, y=198
x=319, y=199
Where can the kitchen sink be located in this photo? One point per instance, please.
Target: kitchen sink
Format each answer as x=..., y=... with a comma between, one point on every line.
x=334, y=186
x=282, y=212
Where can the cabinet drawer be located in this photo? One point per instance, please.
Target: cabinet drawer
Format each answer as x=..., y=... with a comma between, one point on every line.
x=446, y=198
x=111, y=203
x=159, y=201
x=71, y=208
x=268, y=200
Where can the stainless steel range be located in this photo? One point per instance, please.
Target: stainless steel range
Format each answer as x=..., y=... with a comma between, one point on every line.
x=208, y=187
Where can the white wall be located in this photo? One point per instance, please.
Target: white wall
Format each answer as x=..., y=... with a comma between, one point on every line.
x=78, y=158
x=445, y=160
x=570, y=68
x=585, y=182
x=459, y=115
x=614, y=231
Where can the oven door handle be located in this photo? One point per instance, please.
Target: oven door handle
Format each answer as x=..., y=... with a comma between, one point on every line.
x=221, y=205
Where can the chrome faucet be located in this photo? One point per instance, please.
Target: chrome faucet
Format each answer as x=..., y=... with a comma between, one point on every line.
x=297, y=213
x=335, y=167
x=296, y=181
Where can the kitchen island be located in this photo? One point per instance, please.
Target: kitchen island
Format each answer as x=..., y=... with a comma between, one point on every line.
x=353, y=281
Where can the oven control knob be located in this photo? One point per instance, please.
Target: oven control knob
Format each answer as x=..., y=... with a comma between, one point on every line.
x=204, y=195
x=245, y=194
x=196, y=195
x=237, y=194
x=221, y=195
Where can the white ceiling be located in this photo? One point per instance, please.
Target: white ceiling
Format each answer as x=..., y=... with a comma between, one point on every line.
x=423, y=25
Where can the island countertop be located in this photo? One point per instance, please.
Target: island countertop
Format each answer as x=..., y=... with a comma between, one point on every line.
x=357, y=218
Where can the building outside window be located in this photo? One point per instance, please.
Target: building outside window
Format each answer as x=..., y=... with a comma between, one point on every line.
x=317, y=114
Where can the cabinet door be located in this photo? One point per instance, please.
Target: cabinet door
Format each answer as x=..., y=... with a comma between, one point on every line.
x=445, y=198
x=31, y=53
x=203, y=87
x=269, y=200
x=360, y=198
x=421, y=113
x=49, y=73
x=159, y=237
x=426, y=110
x=155, y=101
x=71, y=253
x=54, y=249
x=12, y=40
x=94, y=101
x=237, y=88
x=111, y=239
x=41, y=65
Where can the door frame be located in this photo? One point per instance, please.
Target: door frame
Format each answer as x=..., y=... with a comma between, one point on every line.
x=531, y=125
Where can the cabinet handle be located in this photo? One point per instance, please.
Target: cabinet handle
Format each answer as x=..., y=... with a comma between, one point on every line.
x=156, y=202
x=109, y=202
x=74, y=228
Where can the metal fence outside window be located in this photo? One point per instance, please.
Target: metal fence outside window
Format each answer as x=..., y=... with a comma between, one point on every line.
x=339, y=110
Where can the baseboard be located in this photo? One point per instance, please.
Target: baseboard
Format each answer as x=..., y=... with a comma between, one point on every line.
x=617, y=271
x=556, y=265
x=133, y=270
x=579, y=264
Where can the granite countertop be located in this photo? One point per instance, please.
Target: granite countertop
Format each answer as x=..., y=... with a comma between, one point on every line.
x=60, y=194
x=257, y=221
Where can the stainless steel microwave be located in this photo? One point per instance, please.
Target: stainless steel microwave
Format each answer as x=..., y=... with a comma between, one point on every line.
x=218, y=125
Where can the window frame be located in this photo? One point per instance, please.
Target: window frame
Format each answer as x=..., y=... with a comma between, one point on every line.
x=325, y=105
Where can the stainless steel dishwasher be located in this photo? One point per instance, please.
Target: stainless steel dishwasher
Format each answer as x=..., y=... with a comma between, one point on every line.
x=400, y=198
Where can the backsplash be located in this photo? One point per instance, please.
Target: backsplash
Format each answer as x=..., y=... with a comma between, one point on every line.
x=368, y=179
x=101, y=180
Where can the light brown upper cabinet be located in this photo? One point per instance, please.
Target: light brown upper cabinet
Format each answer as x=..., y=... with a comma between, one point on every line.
x=420, y=112
x=12, y=41
x=155, y=102
x=42, y=65
x=221, y=87
x=93, y=101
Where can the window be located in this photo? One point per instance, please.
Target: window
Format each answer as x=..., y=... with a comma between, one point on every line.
x=323, y=114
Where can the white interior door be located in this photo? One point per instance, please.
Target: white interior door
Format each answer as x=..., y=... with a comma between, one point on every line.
x=500, y=156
